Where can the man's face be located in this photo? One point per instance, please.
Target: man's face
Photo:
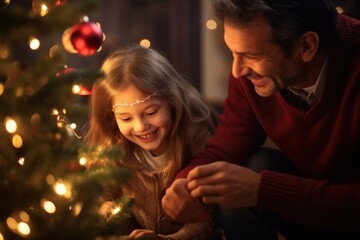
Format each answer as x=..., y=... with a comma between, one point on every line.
x=259, y=60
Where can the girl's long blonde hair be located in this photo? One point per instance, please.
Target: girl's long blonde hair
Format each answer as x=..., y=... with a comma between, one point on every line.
x=193, y=120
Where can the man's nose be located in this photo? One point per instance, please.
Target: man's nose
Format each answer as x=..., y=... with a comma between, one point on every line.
x=239, y=68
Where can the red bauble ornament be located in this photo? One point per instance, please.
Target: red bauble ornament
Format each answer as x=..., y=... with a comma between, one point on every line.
x=86, y=37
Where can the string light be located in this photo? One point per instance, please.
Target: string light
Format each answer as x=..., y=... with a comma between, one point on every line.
x=48, y=206
x=82, y=161
x=23, y=228
x=145, y=43
x=60, y=188
x=21, y=161
x=17, y=141
x=43, y=10
x=62, y=121
x=11, y=223
x=116, y=210
x=10, y=125
x=24, y=216
x=34, y=43
x=211, y=24
x=2, y=88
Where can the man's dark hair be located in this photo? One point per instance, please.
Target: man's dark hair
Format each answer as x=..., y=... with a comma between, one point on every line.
x=288, y=19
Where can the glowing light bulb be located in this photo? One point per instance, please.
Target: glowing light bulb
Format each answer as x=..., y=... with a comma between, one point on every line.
x=21, y=161
x=82, y=161
x=211, y=24
x=145, y=43
x=75, y=88
x=44, y=10
x=2, y=88
x=23, y=228
x=34, y=43
x=10, y=125
x=116, y=210
x=55, y=112
x=11, y=223
x=60, y=188
x=24, y=216
x=49, y=207
x=17, y=141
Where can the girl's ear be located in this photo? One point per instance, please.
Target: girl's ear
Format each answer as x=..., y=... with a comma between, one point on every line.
x=309, y=44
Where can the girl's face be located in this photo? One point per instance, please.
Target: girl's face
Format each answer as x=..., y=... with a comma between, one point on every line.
x=145, y=121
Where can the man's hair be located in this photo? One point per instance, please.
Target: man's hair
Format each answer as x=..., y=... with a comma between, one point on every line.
x=287, y=19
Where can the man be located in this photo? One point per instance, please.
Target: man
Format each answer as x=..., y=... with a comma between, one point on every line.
x=296, y=80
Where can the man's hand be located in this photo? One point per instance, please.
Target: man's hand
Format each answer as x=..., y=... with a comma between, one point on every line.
x=223, y=183
x=181, y=206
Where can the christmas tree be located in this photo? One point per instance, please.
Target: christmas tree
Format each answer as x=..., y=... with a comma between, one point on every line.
x=47, y=190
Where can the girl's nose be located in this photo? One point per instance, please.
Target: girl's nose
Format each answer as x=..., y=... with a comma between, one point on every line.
x=140, y=125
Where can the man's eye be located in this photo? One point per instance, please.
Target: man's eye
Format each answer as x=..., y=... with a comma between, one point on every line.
x=251, y=57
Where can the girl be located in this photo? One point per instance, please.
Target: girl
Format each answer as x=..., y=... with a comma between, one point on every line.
x=161, y=120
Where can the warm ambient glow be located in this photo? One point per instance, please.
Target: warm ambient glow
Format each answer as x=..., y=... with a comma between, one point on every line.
x=211, y=24
x=10, y=125
x=34, y=43
x=145, y=43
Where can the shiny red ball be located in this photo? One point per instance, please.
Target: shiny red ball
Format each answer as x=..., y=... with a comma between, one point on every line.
x=86, y=37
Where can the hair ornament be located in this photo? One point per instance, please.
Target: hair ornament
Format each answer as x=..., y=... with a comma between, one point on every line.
x=137, y=101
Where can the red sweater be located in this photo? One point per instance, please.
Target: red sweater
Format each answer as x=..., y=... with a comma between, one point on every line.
x=323, y=142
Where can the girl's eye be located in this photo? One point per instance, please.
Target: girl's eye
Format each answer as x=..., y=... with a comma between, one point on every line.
x=125, y=119
x=151, y=113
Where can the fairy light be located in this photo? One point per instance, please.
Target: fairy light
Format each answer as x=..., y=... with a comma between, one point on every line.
x=2, y=88
x=60, y=188
x=44, y=10
x=23, y=228
x=21, y=161
x=4, y=51
x=10, y=125
x=76, y=89
x=1, y=237
x=35, y=119
x=77, y=209
x=55, y=112
x=211, y=24
x=48, y=206
x=17, y=141
x=340, y=10
x=145, y=43
x=116, y=210
x=34, y=43
x=11, y=223
x=82, y=161
x=24, y=216
x=50, y=179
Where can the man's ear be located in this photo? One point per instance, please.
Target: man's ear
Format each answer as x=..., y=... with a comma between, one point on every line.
x=309, y=44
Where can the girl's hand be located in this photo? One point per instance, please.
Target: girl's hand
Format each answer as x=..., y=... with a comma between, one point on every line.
x=143, y=233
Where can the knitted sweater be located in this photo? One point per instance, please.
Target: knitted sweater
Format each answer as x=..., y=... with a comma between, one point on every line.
x=323, y=142
x=144, y=187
